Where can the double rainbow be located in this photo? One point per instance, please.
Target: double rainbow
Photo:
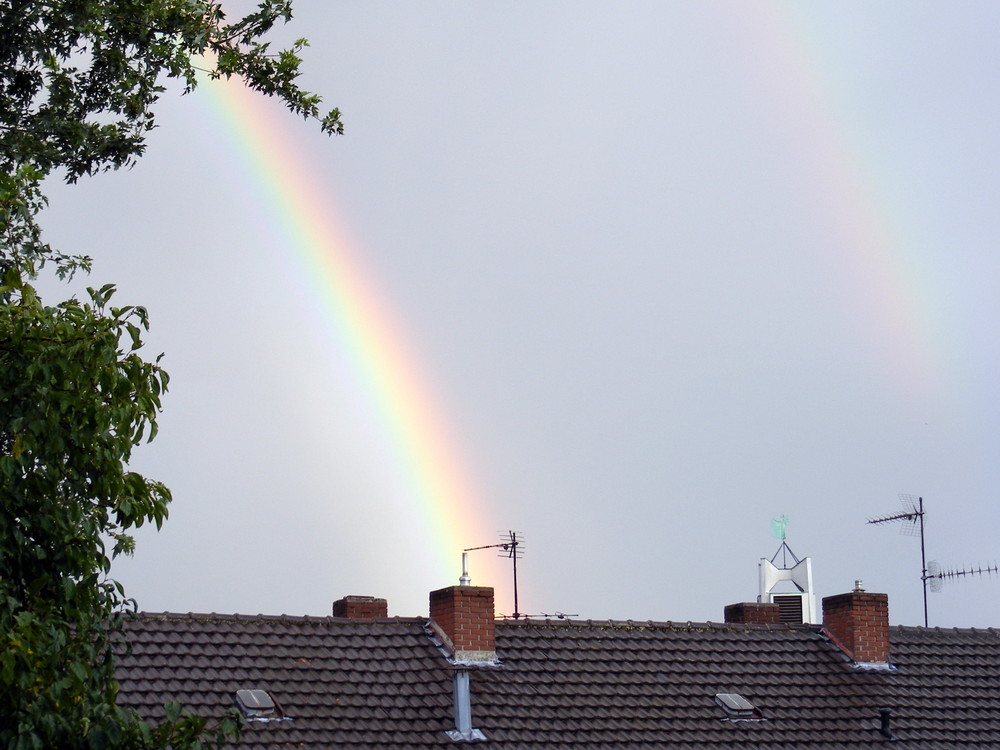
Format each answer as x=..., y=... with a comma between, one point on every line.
x=879, y=293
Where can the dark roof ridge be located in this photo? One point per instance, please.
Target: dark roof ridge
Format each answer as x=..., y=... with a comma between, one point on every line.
x=686, y=626
x=236, y=617
x=939, y=629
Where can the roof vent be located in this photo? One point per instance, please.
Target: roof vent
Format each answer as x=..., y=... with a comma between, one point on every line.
x=789, y=608
x=737, y=707
x=885, y=721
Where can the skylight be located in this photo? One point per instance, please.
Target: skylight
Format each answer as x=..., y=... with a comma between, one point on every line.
x=737, y=707
x=258, y=705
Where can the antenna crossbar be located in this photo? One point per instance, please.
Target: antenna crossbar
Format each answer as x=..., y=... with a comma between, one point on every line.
x=897, y=517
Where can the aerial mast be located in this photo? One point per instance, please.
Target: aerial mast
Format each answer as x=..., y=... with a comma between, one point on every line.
x=510, y=546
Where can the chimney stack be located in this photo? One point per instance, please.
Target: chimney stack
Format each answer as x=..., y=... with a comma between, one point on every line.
x=463, y=618
x=858, y=622
x=360, y=608
x=753, y=613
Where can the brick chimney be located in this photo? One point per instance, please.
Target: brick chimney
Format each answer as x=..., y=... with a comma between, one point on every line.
x=360, y=608
x=754, y=613
x=462, y=616
x=858, y=622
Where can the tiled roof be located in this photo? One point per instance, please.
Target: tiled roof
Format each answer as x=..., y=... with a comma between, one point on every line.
x=386, y=683
x=948, y=683
x=340, y=682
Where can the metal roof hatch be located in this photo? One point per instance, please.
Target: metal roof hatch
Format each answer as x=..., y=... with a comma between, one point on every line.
x=259, y=705
x=738, y=708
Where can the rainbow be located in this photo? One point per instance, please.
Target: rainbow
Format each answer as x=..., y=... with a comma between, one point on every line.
x=879, y=267
x=363, y=330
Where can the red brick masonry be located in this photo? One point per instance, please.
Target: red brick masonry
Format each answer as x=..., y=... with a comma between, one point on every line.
x=753, y=613
x=464, y=615
x=360, y=608
x=859, y=623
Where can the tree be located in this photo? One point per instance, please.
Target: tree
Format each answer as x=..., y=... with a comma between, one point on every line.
x=79, y=81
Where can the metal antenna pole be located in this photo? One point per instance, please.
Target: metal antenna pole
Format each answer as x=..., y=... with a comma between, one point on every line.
x=464, y=579
x=923, y=558
x=513, y=541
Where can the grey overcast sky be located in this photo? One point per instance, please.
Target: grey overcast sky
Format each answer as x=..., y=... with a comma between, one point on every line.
x=659, y=271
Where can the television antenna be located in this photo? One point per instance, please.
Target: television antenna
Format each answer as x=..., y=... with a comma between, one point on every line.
x=931, y=575
x=560, y=615
x=511, y=546
x=936, y=577
x=912, y=519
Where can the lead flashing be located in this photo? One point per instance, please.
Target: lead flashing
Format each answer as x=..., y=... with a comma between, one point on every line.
x=873, y=666
x=459, y=658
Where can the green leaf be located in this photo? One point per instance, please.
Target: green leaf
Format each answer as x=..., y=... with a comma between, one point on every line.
x=135, y=334
x=78, y=670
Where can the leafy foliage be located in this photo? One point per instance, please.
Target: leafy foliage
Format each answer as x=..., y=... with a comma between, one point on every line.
x=79, y=80
x=75, y=398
